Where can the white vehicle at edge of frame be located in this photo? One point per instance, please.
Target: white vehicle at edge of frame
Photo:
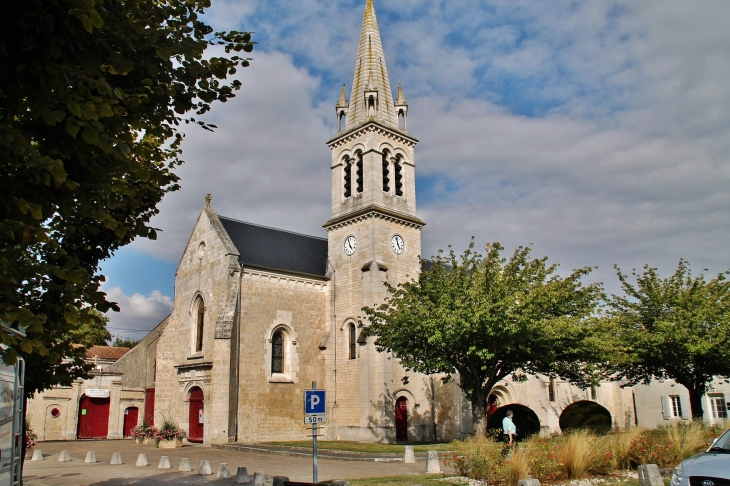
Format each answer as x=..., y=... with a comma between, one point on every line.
x=710, y=468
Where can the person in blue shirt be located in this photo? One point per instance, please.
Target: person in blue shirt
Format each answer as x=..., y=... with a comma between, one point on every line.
x=509, y=431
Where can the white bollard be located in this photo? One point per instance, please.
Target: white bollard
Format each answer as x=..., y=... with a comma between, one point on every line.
x=242, y=476
x=649, y=475
x=432, y=463
x=184, y=465
x=90, y=457
x=164, y=463
x=37, y=455
x=409, y=457
x=528, y=482
x=259, y=479
x=142, y=461
x=223, y=471
x=116, y=458
x=64, y=457
x=205, y=469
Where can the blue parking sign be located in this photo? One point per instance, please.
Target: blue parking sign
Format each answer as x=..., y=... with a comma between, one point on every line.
x=315, y=402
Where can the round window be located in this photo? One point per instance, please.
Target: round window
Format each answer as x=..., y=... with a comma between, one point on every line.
x=55, y=412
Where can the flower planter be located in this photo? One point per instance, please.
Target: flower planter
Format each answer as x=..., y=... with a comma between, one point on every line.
x=139, y=440
x=170, y=444
x=149, y=440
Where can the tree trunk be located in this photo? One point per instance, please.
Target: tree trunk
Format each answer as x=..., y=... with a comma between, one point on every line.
x=695, y=403
x=479, y=416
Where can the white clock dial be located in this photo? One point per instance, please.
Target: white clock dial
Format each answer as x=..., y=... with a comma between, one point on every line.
x=397, y=243
x=350, y=245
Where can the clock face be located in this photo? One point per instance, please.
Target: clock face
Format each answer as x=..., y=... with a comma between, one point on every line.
x=397, y=243
x=350, y=245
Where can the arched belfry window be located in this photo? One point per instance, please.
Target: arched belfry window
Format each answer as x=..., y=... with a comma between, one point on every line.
x=386, y=171
x=277, y=352
x=199, y=325
x=398, y=168
x=347, y=163
x=353, y=341
x=359, y=179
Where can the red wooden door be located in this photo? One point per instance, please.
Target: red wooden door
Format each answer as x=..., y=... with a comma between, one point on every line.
x=197, y=415
x=149, y=406
x=130, y=420
x=401, y=419
x=93, y=418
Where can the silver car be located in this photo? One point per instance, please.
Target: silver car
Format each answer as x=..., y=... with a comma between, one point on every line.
x=711, y=468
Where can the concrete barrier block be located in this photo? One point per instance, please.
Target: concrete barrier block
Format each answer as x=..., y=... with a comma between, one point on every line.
x=223, y=471
x=259, y=479
x=242, y=476
x=338, y=482
x=90, y=457
x=64, y=457
x=205, y=469
x=164, y=463
x=528, y=482
x=280, y=480
x=184, y=465
x=37, y=455
x=141, y=461
x=432, y=463
x=649, y=475
x=116, y=458
x=409, y=457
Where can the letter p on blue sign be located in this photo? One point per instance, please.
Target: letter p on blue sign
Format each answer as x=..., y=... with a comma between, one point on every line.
x=315, y=402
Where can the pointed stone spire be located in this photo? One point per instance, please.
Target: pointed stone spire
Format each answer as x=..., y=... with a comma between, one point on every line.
x=401, y=99
x=371, y=75
x=342, y=102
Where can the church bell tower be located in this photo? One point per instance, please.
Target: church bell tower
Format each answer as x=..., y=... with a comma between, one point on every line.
x=374, y=237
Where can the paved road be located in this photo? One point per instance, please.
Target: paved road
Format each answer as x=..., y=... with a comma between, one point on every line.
x=77, y=473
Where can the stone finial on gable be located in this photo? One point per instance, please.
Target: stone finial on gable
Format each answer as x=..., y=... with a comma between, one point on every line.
x=208, y=199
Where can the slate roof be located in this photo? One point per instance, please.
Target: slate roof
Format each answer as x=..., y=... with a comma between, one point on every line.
x=106, y=352
x=261, y=246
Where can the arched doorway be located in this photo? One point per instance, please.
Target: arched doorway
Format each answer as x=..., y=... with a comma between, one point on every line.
x=401, y=419
x=197, y=415
x=93, y=418
x=131, y=415
x=525, y=420
x=585, y=414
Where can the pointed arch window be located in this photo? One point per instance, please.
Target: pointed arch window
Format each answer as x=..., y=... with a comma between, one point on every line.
x=353, y=341
x=386, y=171
x=199, y=325
x=277, y=352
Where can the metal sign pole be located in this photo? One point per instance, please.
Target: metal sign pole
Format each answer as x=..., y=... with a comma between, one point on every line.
x=314, y=445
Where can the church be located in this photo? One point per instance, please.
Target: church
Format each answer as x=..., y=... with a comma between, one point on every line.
x=262, y=314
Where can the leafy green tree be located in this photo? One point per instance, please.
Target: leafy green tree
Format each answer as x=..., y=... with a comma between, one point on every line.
x=125, y=342
x=674, y=328
x=92, y=333
x=489, y=319
x=93, y=94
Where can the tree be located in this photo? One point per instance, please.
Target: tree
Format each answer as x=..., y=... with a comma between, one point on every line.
x=92, y=333
x=124, y=342
x=489, y=319
x=675, y=328
x=92, y=97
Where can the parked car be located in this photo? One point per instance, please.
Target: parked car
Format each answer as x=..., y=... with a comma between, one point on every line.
x=711, y=468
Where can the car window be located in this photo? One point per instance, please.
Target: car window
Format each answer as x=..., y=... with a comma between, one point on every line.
x=723, y=442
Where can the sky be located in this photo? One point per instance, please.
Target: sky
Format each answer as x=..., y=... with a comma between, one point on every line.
x=597, y=131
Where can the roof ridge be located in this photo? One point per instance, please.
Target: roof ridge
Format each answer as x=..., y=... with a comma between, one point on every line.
x=272, y=228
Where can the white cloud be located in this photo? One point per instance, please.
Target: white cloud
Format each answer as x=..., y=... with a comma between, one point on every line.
x=137, y=312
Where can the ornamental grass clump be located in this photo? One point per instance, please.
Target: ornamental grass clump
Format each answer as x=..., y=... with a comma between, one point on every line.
x=687, y=439
x=577, y=454
x=478, y=458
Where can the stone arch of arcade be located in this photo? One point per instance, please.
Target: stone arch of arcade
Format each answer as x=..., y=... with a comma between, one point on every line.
x=526, y=421
x=586, y=414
